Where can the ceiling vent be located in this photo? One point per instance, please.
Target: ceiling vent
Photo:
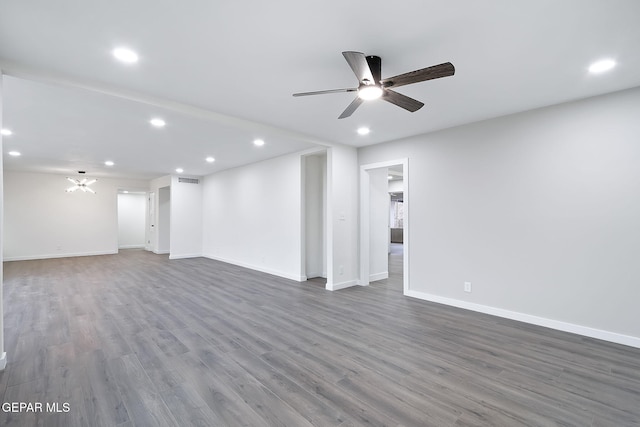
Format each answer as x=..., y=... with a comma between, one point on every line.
x=189, y=180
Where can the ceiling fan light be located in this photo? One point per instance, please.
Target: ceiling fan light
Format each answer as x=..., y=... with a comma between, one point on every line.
x=370, y=92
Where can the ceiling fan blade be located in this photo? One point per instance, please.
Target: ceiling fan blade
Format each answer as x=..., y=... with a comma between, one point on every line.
x=358, y=63
x=72, y=189
x=434, y=72
x=75, y=181
x=90, y=182
x=402, y=101
x=322, y=92
x=351, y=108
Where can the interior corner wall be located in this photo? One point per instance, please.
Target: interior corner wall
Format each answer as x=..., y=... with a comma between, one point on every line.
x=252, y=216
x=186, y=219
x=42, y=220
x=538, y=210
x=342, y=221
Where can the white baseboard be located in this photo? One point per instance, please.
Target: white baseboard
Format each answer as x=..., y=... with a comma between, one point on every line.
x=378, y=276
x=341, y=285
x=57, y=255
x=297, y=278
x=182, y=256
x=534, y=320
x=131, y=247
x=161, y=252
x=3, y=361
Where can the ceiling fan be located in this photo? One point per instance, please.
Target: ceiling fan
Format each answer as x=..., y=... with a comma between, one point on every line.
x=368, y=70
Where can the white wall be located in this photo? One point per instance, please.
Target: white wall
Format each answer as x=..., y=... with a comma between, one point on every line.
x=378, y=224
x=3, y=354
x=132, y=215
x=396, y=186
x=538, y=210
x=342, y=221
x=41, y=220
x=186, y=219
x=252, y=216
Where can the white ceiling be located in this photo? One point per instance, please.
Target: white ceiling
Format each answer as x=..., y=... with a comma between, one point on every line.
x=221, y=73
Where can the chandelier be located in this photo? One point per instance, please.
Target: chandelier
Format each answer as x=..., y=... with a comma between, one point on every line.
x=82, y=184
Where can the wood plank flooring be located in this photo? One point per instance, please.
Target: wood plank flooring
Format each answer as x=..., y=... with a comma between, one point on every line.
x=135, y=339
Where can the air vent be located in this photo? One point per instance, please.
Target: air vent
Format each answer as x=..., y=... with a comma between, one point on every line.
x=189, y=180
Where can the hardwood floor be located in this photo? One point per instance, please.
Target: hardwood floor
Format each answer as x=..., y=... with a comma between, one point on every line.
x=137, y=340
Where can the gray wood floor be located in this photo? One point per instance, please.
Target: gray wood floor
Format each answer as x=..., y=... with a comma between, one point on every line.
x=137, y=340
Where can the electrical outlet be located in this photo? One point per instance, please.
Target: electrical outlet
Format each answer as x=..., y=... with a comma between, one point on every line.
x=467, y=286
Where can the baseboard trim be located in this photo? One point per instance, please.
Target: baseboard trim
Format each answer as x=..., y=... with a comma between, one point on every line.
x=183, y=256
x=379, y=276
x=586, y=331
x=131, y=247
x=3, y=361
x=341, y=285
x=49, y=256
x=161, y=252
x=297, y=278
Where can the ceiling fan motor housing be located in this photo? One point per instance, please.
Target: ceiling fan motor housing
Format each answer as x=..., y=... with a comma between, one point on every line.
x=375, y=65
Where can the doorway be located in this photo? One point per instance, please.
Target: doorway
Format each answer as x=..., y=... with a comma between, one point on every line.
x=163, y=230
x=314, y=246
x=132, y=213
x=384, y=223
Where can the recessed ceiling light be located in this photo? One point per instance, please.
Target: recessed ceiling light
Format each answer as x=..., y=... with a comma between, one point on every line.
x=6, y=132
x=602, y=66
x=210, y=159
x=258, y=142
x=179, y=170
x=370, y=92
x=125, y=192
x=389, y=177
x=109, y=163
x=14, y=153
x=125, y=55
x=363, y=131
x=157, y=122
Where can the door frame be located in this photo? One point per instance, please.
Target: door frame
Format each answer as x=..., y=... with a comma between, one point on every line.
x=365, y=185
